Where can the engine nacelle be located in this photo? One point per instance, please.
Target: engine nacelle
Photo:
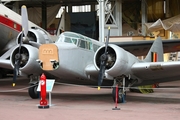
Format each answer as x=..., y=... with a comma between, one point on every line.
x=28, y=64
x=119, y=61
x=36, y=35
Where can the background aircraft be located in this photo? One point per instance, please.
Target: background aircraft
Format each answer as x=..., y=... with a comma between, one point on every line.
x=82, y=60
x=10, y=26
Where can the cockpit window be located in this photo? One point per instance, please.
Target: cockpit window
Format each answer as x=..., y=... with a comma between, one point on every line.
x=74, y=41
x=82, y=44
x=70, y=40
x=89, y=45
x=60, y=39
x=67, y=40
x=86, y=44
x=79, y=40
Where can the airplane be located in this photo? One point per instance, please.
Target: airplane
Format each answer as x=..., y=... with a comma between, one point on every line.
x=10, y=26
x=80, y=59
x=75, y=58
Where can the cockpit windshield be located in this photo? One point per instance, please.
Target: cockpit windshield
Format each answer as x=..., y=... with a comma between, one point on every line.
x=68, y=37
x=79, y=40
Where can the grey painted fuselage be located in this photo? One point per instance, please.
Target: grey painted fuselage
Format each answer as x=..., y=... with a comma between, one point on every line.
x=75, y=57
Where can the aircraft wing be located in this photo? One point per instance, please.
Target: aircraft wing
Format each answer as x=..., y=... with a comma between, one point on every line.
x=5, y=64
x=91, y=71
x=4, y=59
x=156, y=72
x=141, y=48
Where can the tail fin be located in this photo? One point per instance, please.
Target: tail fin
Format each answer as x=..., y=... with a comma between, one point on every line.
x=64, y=23
x=155, y=53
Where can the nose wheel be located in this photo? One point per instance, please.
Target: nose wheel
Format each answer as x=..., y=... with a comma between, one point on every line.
x=33, y=85
x=33, y=93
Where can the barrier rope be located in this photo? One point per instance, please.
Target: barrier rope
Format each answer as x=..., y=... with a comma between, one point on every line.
x=16, y=90
x=92, y=86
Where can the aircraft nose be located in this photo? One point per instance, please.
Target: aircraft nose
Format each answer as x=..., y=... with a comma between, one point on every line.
x=48, y=57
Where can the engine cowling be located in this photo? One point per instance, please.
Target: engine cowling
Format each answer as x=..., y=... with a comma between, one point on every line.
x=36, y=35
x=29, y=51
x=28, y=64
x=118, y=62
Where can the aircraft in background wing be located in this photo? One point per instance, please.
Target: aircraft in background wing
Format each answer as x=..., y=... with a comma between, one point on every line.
x=75, y=58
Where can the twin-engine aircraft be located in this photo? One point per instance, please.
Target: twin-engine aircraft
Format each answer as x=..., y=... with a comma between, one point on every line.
x=75, y=58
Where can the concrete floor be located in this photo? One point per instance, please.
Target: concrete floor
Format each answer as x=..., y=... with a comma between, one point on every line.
x=84, y=103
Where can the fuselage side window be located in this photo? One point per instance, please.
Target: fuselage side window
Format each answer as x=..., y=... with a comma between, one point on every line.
x=86, y=44
x=89, y=45
x=82, y=44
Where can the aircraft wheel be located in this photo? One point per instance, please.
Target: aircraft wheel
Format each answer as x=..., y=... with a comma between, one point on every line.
x=33, y=93
x=120, y=95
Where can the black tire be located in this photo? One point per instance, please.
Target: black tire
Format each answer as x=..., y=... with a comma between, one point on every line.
x=33, y=93
x=120, y=95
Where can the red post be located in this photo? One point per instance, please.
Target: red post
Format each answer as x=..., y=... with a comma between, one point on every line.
x=116, y=99
x=43, y=101
x=116, y=95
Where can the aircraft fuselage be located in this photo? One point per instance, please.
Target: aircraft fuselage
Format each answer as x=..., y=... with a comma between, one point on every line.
x=9, y=30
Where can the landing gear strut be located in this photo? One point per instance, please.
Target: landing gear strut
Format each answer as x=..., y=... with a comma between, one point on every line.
x=33, y=93
x=121, y=90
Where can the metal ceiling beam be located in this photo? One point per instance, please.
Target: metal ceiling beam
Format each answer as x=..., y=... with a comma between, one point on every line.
x=144, y=16
x=44, y=15
x=101, y=20
x=62, y=2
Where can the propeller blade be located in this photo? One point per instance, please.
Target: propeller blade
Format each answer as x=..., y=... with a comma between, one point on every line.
x=15, y=72
x=107, y=40
x=25, y=28
x=24, y=16
x=101, y=74
x=103, y=62
x=20, y=43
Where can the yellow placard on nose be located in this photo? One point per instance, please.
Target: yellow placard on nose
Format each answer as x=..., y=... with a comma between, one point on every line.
x=48, y=55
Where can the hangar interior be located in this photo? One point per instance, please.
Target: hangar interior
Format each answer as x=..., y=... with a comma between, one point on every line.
x=128, y=19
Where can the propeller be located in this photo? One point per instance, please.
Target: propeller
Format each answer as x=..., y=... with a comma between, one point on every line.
x=18, y=56
x=103, y=62
x=24, y=20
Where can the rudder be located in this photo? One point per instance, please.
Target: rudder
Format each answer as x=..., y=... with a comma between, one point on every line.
x=156, y=52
